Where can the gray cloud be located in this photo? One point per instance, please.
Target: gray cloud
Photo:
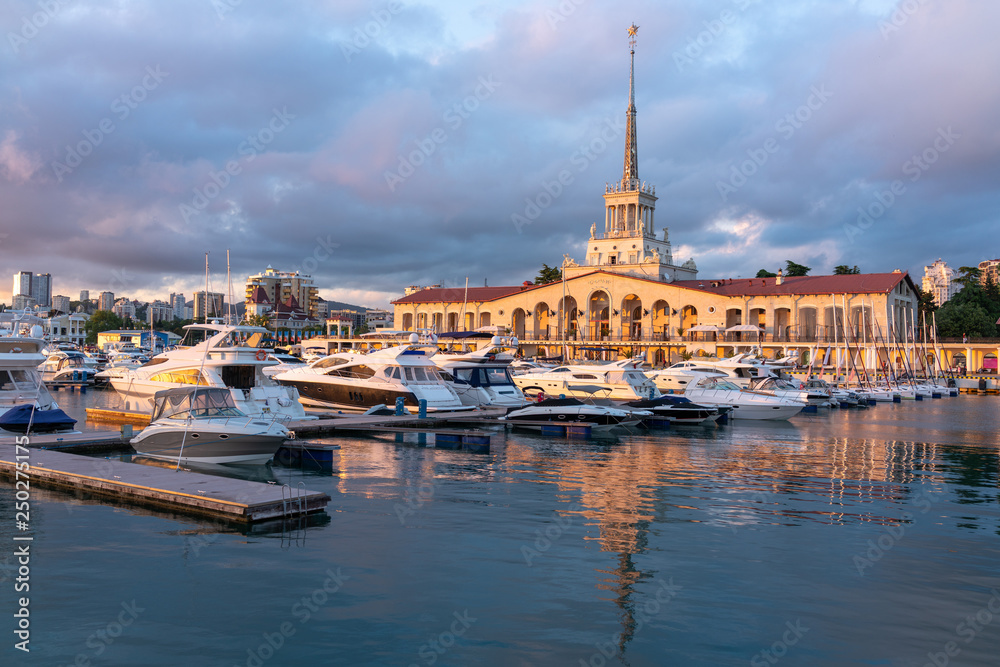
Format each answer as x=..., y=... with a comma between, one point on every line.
x=355, y=118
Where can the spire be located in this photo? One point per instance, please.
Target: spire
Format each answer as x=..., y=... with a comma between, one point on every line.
x=630, y=173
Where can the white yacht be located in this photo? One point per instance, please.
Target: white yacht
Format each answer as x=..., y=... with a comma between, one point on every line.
x=24, y=401
x=572, y=410
x=746, y=404
x=62, y=367
x=283, y=362
x=675, y=380
x=786, y=389
x=203, y=425
x=211, y=355
x=353, y=381
x=482, y=378
x=741, y=370
x=619, y=381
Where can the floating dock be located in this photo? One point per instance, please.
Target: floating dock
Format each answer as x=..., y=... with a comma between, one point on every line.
x=90, y=441
x=233, y=500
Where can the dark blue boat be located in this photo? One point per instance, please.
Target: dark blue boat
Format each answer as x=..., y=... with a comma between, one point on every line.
x=19, y=417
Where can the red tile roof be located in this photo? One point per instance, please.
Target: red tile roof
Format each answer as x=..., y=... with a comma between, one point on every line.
x=863, y=283
x=259, y=295
x=457, y=294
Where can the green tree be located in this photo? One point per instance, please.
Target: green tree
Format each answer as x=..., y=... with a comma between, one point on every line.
x=764, y=273
x=102, y=320
x=793, y=269
x=845, y=270
x=925, y=304
x=959, y=319
x=968, y=276
x=548, y=274
x=257, y=320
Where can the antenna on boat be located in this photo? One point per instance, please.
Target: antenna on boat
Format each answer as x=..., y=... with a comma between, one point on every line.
x=206, y=290
x=229, y=280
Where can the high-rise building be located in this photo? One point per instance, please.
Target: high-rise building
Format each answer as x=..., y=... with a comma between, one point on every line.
x=989, y=269
x=84, y=295
x=215, y=305
x=41, y=288
x=158, y=311
x=22, y=284
x=60, y=303
x=178, y=303
x=106, y=301
x=124, y=308
x=279, y=286
x=22, y=301
x=939, y=281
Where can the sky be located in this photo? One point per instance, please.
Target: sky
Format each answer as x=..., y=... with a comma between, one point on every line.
x=376, y=145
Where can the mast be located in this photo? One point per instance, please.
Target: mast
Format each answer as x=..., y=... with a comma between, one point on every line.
x=206, y=288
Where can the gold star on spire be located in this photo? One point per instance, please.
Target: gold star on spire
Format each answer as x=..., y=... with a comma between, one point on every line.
x=632, y=30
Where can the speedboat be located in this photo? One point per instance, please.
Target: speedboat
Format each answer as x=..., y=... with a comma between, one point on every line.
x=203, y=425
x=212, y=355
x=785, y=389
x=623, y=381
x=26, y=406
x=746, y=404
x=569, y=410
x=63, y=367
x=676, y=409
x=482, y=378
x=356, y=382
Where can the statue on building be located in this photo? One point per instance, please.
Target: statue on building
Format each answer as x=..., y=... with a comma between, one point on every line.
x=593, y=230
x=569, y=261
x=666, y=235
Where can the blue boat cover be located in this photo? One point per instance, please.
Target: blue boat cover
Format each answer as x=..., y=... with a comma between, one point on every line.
x=17, y=419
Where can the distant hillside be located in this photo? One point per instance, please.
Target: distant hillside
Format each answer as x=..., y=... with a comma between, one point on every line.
x=340, y=305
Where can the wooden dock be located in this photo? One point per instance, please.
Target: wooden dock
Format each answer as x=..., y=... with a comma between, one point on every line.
x=233, y=500
x=88, y=441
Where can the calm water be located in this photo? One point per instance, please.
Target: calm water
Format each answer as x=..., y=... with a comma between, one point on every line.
x=838, y=538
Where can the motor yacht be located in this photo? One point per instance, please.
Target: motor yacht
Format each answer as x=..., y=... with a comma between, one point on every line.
x=569, y=410
x=211, y=355
x=26, y=406
x=676, y=409
x=482, y=378
x=746, y=404
x=203, y=425
x=621, y=380
x=283, y=362
x=62, y=367
x=785, y=389
x=354, y=381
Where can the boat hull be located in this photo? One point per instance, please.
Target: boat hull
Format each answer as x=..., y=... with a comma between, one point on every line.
x=201, y=446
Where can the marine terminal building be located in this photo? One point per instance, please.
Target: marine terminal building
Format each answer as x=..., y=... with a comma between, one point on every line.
x=630, y=297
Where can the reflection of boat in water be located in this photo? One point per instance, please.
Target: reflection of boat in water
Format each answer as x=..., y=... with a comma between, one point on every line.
x=569, y=410
x=203, y=425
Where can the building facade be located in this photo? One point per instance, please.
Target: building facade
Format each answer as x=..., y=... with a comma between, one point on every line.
x=124, y=308
x=628, y=296
x=84, y=295
x=106, y=301
x=60, y=303
x=939, y=281
x=989, y=270
x=41, y=289
x=67, y=328
x=22, y=284
x=179, y=305
x=280, y=285
x=213, y=306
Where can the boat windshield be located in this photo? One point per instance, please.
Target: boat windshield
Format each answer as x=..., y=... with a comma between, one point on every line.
x=717, y=383
x=17, y=380
x=197, y=404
